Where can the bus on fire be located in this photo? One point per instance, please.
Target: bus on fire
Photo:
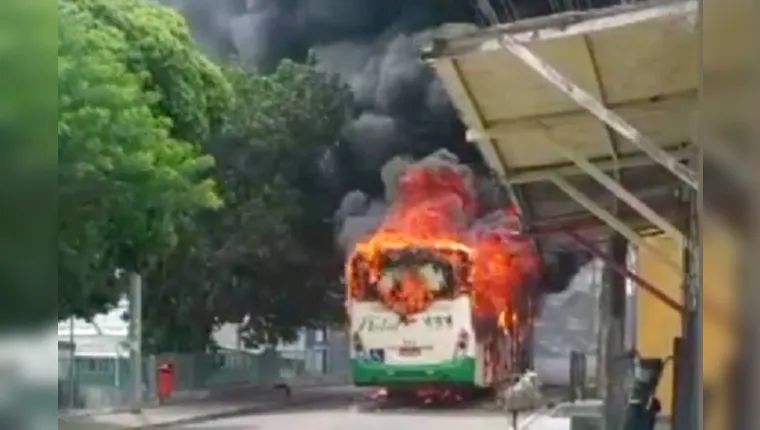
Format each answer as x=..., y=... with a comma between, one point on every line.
x=444, y=343
x=435, y=294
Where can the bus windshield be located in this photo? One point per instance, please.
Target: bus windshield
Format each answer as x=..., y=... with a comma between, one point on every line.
x=431, y=270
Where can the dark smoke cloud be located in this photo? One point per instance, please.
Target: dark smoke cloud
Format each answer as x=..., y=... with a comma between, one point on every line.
x=374, y=45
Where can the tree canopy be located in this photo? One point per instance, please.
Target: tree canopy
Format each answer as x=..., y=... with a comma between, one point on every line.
x=250, y=262
x=191, y=173
x=126, y=184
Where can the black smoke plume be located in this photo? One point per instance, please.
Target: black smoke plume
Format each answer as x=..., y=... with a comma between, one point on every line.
x=374, y=46
x=402, y=110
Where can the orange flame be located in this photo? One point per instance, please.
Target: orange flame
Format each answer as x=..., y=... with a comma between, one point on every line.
x=437, y=211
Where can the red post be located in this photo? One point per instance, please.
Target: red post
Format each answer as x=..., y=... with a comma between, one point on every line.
x=165, y=381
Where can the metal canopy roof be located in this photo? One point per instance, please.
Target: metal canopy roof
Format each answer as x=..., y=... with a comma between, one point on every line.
x=642, y=64
x=542, y=99
x=639, y=62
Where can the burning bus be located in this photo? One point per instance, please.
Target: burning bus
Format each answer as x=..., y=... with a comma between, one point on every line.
x=436, y=295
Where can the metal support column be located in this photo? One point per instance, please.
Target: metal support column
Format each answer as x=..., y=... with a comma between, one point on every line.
x=616, y=367
x=72, y=391
x=602, y=321
x=135, y=340
x=690, y=386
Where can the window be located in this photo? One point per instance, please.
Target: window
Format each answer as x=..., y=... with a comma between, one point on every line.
x=432, y=270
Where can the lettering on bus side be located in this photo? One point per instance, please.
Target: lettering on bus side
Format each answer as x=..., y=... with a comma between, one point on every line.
x=439, y=322
x=378, y=324
x=386, y=324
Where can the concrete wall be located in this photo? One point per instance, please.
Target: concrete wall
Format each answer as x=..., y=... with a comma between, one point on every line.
x=658, y=324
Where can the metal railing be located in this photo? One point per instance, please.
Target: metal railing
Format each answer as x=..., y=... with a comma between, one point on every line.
x=101, y=383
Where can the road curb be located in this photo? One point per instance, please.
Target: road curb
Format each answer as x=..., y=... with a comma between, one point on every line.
x=87, y=423
x=312, y=398
x=228, y=414
x=90, y=422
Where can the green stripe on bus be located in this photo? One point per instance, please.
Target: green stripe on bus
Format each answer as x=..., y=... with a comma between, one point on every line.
x=455, y=371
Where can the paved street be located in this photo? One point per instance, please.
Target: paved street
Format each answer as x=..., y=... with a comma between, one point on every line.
x=356, y=417
x=209, y=410
x=338, y=408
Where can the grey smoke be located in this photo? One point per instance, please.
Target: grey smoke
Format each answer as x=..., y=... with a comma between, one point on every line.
x=403, y=78
x=390, y=174
x=357, y=218
x=374, y=46
x=374, y=138
x=350, y=59
x=399, y=95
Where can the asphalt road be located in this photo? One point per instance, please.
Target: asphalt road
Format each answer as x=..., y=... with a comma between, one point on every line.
x=363, y=414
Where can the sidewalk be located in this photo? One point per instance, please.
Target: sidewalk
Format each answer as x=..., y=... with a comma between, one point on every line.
x=581, y=415
x=194, y=411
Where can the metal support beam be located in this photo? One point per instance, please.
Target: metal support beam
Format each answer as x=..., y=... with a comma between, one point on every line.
x=713, y=312
x=484, y=142
x=587, y=101
x=613, y=221
x=584, y=222
x=488, y=148
x=611, y=136
x=617, y=189
x=643, y=283
x=616, y=369
x=524, y=176
x=690, y=377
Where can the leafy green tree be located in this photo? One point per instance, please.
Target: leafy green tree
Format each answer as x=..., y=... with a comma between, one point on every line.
x=192, y=174
x=192, y=91
x=128, y=182
x=250, y=262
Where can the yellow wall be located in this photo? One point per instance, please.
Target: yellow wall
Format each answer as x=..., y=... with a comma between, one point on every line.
x=659, y=324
